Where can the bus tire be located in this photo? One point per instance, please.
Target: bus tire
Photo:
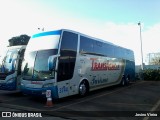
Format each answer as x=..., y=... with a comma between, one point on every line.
x=83, y=88
x=128, y=79
x=123, y=81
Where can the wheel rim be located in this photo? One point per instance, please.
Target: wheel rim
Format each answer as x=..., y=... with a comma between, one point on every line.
x=123, y=81
x=82, y=89
x=128, y=80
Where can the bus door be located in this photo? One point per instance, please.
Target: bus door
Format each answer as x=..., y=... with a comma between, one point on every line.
x=62, y=78
x=66, y=63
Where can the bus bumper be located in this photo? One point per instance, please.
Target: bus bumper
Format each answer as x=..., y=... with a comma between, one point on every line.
x=8, y=85
x=40, y=92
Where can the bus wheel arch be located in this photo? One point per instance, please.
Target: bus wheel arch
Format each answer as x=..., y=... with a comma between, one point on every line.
x=84, y=87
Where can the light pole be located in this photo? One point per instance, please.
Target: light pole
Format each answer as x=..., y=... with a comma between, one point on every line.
x=142, y=67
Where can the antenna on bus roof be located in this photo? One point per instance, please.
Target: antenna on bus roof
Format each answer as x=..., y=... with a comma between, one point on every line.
x=42, y=29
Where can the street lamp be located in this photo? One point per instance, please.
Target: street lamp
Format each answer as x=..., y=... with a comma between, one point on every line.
x=142, y=67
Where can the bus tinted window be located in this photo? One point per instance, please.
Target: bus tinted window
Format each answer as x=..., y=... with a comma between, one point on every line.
x=108, y=50
x=86, y=45
x=91, y=46
x=98, y=47
x=29, y=65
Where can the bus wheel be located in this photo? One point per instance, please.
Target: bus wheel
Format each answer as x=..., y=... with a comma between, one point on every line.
x=123, y=81
x=128, y=80
x=83, y=88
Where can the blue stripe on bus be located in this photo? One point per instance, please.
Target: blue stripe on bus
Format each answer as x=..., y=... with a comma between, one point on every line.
x=57, y=32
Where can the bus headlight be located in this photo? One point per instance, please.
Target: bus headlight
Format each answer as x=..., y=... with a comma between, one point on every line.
x=47, y=85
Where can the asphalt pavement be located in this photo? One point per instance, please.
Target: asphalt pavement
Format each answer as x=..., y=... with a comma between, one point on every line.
x=131, y=102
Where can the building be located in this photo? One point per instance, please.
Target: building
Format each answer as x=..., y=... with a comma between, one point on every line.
x=153, y=58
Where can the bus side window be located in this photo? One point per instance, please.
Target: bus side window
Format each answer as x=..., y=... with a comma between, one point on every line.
x=86, y=45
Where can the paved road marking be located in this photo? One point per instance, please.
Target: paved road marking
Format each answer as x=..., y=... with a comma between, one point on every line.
x=153, y=109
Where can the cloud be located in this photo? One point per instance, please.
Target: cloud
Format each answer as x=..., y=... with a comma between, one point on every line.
x=123, y=34
x=151, y=39
x=128, y=35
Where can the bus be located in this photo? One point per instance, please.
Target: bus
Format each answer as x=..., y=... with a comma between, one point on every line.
x=10, y=70
x=67, y=63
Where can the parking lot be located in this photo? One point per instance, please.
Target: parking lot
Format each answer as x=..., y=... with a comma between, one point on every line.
x=139, y=101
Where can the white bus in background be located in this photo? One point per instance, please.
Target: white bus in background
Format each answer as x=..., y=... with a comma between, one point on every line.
x=10, y=70
x=2, y=54
x=68, y=63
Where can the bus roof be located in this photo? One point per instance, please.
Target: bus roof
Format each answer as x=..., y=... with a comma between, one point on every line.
x=58, y=32
x=104, y=41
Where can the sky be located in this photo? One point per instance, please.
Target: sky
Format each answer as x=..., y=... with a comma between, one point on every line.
x=115, y=21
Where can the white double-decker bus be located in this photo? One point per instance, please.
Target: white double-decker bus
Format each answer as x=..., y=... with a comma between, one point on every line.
x=10, y=69
x=68, y=63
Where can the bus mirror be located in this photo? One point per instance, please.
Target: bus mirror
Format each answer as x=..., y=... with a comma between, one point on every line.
x=51, y=63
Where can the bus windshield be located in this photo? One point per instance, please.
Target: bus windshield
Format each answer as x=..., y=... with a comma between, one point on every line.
x=35, y=64
x=7, y=63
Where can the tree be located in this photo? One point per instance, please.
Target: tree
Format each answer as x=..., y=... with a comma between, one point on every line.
x=19, y=40
x=154, y=58
x=155, y=61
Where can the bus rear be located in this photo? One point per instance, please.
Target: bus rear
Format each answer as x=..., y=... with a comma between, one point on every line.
x=10, y=70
